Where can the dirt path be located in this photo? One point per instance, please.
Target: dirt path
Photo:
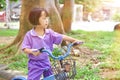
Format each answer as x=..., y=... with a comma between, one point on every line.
x=110, y=74
x=6, y=39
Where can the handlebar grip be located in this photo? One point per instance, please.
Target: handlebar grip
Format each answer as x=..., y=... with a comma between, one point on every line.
x=41, y=49
x=77, y=43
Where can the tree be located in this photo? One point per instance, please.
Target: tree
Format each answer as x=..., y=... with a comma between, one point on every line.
x=2, y=4
x=61, y=24
x=66, y=14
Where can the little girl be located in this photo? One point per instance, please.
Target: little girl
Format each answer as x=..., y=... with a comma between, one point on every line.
x=37, y=38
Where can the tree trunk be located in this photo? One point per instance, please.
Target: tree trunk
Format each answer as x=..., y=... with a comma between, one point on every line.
x=57, y=5
x=67, y=14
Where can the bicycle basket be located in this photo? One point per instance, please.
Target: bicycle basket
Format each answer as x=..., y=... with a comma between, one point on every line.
x=64, y=69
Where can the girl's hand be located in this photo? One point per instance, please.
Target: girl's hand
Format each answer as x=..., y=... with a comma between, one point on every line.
x=35, y=52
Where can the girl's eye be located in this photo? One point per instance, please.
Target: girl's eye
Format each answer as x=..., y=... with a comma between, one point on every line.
x=47, y=18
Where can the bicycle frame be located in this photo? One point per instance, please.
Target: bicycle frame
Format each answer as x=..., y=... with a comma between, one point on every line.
x=60, y=58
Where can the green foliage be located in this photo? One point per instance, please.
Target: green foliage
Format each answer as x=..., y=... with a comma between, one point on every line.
x=56, y=52
x=3, y=3
x=116, y=17
x=14, y=0
x=61, y=1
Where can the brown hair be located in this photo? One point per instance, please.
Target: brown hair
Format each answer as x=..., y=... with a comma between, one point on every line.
x=117, y=27
x=34, y=15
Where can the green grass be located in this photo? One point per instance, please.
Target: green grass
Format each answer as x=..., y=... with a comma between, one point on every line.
x=19, y=62
x=87, y=73
x=8, y=32
x=99, y=40
x=95, y=40
x=15, y=62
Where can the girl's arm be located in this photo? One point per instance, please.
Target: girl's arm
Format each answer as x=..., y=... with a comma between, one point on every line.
x=70, y=39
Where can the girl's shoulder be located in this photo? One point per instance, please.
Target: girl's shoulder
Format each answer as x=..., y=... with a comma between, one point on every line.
x=28, y=32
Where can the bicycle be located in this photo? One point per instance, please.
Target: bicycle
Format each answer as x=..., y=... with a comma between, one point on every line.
x=63, y=66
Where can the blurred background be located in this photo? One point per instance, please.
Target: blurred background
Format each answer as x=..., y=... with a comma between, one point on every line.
x=85, y=11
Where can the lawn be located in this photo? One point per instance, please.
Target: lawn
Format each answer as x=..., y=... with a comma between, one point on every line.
x=97, y=40
x=8, y=32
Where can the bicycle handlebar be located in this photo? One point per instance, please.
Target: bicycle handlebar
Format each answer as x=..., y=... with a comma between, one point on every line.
x=61, y=57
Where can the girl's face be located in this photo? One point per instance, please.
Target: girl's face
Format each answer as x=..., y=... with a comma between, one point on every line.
x=43, y=20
